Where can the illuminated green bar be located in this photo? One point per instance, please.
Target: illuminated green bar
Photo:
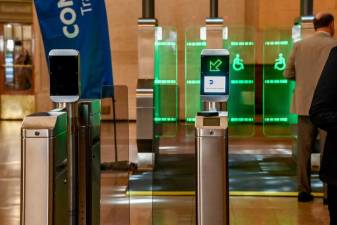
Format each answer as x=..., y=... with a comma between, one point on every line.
x=165, y=43
x=277, y=43
x=190, y=119
x=158, y=119
x=165, y=82
x=242, y=43
x=242, y=81
x=193, y=82
x=240, y=120
x=196, y=44
x=281, y=81
x=277, y=120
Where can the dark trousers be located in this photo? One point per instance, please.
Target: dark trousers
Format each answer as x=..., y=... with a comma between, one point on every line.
x=332, y=203
x=307, y=134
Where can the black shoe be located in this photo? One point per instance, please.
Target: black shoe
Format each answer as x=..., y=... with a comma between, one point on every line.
x=305, y=197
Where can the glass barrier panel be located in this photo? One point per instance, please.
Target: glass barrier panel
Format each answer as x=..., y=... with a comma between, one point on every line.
x=193, y=47
x=277, y=91
x=241, y=105
x=166, y=81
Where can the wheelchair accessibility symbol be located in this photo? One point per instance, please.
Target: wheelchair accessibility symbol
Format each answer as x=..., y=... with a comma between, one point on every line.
x=280, y=63
x=238, y=64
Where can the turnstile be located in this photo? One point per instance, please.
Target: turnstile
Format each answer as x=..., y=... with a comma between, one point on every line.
x=212, y=169
x=47, y=186
x=44, y=169
x=89, y=162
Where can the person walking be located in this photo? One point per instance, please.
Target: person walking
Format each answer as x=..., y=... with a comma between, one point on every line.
x=305, y=66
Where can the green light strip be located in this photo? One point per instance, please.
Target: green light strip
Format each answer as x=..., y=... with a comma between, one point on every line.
x=166, y=43
x=165, y=82
x=276, y=43
x=283, y=81
x=234, y=120
x=168, y=119
x=193, y=82
x=242, y=119
x=190, y=119
x=242, y=43
x=242, y=81
x=275, y=119
x=196, y=44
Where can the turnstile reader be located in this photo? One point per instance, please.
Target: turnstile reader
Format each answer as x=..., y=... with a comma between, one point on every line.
x=212, y=139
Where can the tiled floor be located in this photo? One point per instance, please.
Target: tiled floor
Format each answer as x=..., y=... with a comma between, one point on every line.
x=119, y=209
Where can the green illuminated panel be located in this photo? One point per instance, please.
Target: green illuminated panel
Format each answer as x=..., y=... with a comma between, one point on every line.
x=241, y=105
x=277, y=91
x=165, y=84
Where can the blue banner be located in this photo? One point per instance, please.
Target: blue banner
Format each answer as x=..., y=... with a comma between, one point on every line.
x=80, y=25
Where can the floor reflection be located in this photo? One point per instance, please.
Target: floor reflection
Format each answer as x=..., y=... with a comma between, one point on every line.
x=118, y=208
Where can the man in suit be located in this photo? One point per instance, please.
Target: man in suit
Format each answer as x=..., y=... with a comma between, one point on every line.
x=323, y=113
x=305, y=65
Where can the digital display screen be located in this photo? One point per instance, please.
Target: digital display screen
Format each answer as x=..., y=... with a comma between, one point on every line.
x=214, y=75
x=211, y=122
x=63, y=72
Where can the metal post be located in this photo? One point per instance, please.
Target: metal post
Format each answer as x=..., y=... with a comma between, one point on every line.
x=148, y=9
x=307, y=7
x=72, y=163
x=212, y=170
x=214, y=9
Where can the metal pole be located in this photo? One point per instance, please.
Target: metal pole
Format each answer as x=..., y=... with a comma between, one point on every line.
x=214, y=9
x=148, y=9
x=72, y=163
x=307, y=7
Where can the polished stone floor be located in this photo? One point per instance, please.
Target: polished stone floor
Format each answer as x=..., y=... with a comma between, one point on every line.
x=117, y=208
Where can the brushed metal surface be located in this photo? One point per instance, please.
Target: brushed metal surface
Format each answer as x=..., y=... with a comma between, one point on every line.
x=145, y=123
x=36, y=180
x=43, y=169
x=212, y=173
x=144, y=109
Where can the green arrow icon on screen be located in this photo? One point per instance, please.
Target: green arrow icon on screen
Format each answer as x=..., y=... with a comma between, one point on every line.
x=214, y=66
